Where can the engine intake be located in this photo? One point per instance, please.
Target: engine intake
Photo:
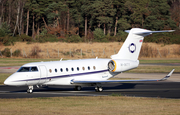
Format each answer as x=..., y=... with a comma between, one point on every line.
x=112, y=65
x=120, y=65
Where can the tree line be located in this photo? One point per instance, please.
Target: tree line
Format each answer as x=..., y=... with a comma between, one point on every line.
x=83, y=19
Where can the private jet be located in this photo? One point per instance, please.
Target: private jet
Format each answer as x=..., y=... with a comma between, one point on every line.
x=85, y=72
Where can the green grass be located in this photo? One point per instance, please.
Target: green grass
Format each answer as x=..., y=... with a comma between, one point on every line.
x=3, y=77
x=19, y=62
x=142, y=61
x=101, y=105
x=154, y=69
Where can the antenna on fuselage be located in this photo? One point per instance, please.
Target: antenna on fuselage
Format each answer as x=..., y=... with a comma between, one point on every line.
x=61, y=59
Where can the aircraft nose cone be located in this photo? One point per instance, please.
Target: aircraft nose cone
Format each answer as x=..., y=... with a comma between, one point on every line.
x=7, y=82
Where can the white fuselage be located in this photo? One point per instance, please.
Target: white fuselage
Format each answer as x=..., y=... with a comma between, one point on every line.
x=63, y=72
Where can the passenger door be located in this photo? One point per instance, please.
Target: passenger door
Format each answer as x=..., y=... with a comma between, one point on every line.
x=43, y=74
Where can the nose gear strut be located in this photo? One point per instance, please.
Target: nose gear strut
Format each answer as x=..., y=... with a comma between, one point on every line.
x=30, y=89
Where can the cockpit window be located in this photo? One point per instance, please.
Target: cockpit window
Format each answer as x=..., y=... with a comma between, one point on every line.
x=34, y=69
x=24, y=69
x=28, y=69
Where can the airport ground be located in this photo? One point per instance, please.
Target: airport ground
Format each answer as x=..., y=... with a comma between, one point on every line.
x=128, y=98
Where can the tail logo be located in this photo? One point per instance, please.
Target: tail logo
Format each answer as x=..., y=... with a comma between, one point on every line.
x=132, y=47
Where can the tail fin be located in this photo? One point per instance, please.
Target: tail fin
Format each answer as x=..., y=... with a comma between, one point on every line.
x=131, y=48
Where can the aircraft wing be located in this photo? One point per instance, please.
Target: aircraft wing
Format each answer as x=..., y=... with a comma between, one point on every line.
x=119, y=81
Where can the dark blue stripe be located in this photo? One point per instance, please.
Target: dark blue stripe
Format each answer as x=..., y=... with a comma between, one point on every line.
x=69, y=75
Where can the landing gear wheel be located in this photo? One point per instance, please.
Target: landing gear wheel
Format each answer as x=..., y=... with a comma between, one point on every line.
x=30, y=90
x=98, y=89
x=77, y=88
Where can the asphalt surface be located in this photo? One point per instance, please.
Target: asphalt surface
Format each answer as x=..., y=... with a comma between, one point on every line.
x=163, y=89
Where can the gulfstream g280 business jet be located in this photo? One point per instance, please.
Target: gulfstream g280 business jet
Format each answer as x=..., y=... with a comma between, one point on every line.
x=86, y=72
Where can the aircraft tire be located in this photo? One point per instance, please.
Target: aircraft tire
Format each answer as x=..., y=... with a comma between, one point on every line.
x=98, y=89
x=77, y=88
x=29, y=91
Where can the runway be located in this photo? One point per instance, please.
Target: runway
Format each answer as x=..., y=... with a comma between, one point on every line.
x=163, y=89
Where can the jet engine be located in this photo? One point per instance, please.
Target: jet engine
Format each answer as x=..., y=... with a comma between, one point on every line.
x=119, y=65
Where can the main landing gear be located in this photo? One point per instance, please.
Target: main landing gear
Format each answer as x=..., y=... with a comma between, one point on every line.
x=77, y=88
x=98, y=89
x=30, y=89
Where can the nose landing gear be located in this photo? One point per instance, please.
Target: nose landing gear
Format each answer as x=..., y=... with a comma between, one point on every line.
x=30, y=89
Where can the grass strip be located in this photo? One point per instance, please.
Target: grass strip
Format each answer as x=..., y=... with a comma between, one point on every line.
x=106, y=105
x=19, y=62
x=157, y=60
x=154, y=69
x=3, y=77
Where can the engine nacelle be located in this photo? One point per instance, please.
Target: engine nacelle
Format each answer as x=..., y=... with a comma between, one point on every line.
x=119, y=65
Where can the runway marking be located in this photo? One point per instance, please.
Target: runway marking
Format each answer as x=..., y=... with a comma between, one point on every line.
x=9, y=67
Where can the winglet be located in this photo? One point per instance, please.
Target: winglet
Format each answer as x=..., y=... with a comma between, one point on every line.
x=167, y=76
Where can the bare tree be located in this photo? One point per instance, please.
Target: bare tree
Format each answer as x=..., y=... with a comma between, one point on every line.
x=10, y=6
x=27, y=22
x=115, y=29
x=20, y=23
x=33, y=30
x=2, y=10
x=85, y=27
x=17, y=19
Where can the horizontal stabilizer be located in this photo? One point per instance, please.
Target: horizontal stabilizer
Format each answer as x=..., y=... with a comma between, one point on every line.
x=148, y=31
x=120, y=81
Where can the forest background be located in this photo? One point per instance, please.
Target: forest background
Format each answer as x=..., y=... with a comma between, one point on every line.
x=87, y=20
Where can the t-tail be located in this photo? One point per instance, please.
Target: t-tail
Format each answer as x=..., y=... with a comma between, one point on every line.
x=131, y=48
x=127, y=57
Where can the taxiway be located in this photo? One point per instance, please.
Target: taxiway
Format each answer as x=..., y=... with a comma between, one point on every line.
x=155, y=89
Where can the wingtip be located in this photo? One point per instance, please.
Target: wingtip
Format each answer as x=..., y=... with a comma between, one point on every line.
x=167, y=76
x=171, y=30
x=170, y=73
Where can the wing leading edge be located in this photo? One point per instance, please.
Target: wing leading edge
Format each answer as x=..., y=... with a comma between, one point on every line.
x=120, y=81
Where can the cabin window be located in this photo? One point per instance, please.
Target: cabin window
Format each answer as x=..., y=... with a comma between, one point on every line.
x=78, y=68
x=55, y=70
x=66, y=69
x=50, y=70
x=72, y=69
x=83, y=68
x=88, y=68
x=61, y=70
x=94, y=67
